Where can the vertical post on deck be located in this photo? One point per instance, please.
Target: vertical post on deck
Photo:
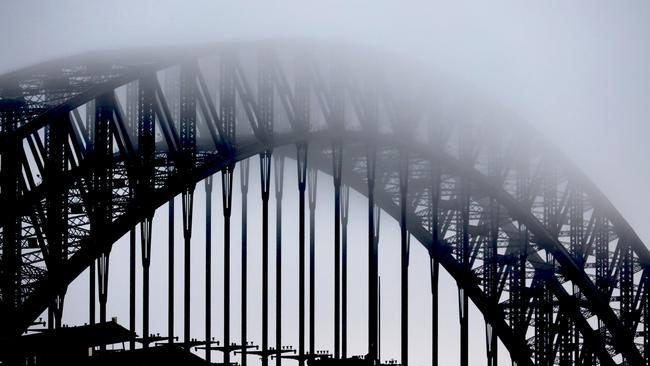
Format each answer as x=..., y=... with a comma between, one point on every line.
x=379, y=317
x=312, y=183
x=91, y=293
x=302, y=178
x=279, y=183
x=11, y=259
x=102, y=279
x=464, y=327
x=226, y=189
x=345, y=205
x=102, y=154
x=188, y=153
x=434, y=262
x=132, y=285
x=145, y=186
x=173, y=99
x=56, y=225
x=243, y=167
x=133, y=99
x=145, y=240
x=337, y=164
x=265, y=182
x=92, y=300
x=404, y=171
x=377, y=215
x=373, y=270
x=188, y=207
x=208, y=268
x=228, y=103
x=170, y=270
x=265, y=123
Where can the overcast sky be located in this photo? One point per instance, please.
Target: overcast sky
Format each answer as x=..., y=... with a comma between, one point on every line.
x=577, y=70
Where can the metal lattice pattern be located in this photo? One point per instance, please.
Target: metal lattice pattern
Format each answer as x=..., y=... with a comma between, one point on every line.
x=91, y=148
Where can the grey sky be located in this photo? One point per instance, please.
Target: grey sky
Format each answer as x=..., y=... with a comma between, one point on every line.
x=578, y=71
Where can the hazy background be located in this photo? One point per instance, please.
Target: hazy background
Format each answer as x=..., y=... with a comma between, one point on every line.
x=577, y=70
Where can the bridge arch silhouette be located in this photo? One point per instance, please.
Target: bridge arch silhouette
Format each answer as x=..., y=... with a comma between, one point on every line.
x=92, y=145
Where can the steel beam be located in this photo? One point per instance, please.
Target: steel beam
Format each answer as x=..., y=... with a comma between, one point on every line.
x=208, y=268
x=187, y=139
x=373, y=265
x=344, y=205
x=265, y=182
x=279, y=183
x=337, y=166
x=404, y=239
x=188, y=208
x=226, y=195
x=244, y=170
x=434, y=261
x=301, y=163
x=170, y=271
x=312, y=181
x=228, y=104
x=146, y=227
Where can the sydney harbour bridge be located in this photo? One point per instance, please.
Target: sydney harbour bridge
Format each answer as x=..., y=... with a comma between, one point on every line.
x=93, y=146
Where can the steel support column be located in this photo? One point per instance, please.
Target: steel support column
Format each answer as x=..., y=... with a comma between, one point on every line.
x=91, y=292
x=146, y=133
x=57, y=206
x=133, y=99
x=226, y=189
x=543, y=323
x=345, y=205
x=228, y=110
x=188, y=208
x=279, y=183
x=265, y=124
x=518, y=301
x=626, y=286
x=434, y=262
x=403, y=186
x=132, y=285
x=208, y=268
x=92, y=276
x=265, y=184
x=312, y=182
x=173, y=99
x=302, y=183
x=102, y=173
x=337, y=165
x=103, y=263
x=170, y=270
x=244, y=170
x=145, y=242
x=373, y=265
x=462, y=252
x=188, y=153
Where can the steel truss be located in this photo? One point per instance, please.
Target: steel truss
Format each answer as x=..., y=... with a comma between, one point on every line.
x=92, y=146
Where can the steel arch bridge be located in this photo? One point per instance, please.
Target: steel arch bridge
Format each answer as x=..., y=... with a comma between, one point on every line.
x=92, y=145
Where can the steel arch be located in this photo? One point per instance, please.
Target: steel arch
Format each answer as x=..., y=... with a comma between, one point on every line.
x=577, y=239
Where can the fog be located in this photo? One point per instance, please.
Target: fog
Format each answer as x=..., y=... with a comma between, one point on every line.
x=577, y=71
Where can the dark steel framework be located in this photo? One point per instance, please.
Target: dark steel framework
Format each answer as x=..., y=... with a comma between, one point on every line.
x=559, y=276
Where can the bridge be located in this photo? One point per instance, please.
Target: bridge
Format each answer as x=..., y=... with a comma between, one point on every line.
x=92, y=147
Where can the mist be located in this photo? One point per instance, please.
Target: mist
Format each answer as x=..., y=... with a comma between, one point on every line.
x=576, y=71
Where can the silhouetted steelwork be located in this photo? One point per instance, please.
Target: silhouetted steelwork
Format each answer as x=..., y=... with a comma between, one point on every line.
x=558, y=275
